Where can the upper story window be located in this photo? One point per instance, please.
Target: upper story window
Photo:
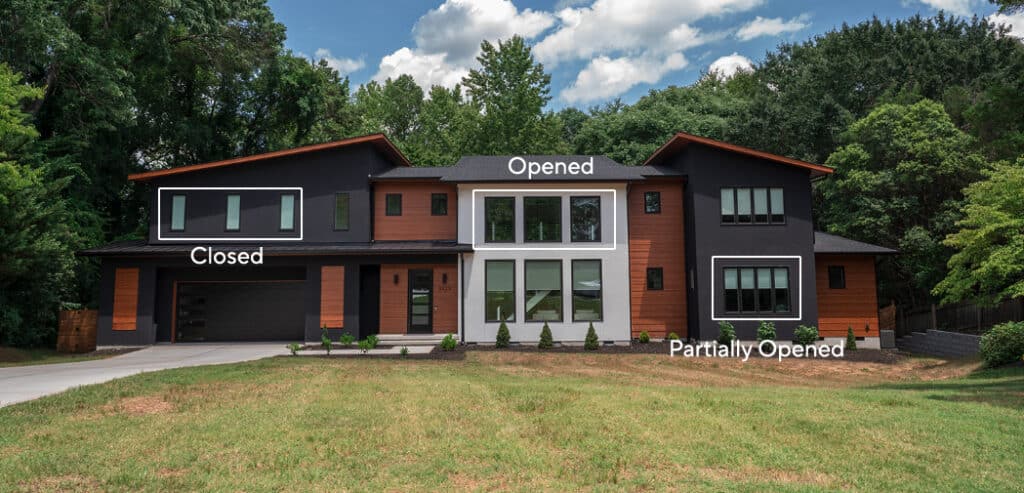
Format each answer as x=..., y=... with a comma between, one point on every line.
x=753, y=206
x=652, y=202
x=500, y=217
x=655, y=279
x=542, y=218
x=340, y=211
x=232, y=218
x=287, y=212
x=836, y=277
x=439, y=204
x=178, y=213
x=393, y=204
x=585, y=218
x=756, y=289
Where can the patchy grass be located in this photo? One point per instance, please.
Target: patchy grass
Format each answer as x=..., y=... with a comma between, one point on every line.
x=527, y=422
x=22, y=357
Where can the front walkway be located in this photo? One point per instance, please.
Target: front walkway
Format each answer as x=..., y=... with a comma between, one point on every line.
x=24, y=383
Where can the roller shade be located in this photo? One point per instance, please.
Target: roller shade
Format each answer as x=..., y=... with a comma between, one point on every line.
x=586, y=275
x=544, y=275
x=500, y=275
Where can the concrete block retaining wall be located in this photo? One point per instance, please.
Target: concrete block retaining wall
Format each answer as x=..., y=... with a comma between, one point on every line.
x=940, y=343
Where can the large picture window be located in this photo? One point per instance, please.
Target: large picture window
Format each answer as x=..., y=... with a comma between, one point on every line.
x=234, y=211
x=500, y=299
x=543, y=290
x=500, y=214
x=178, y=213
x=752, y=206
x=585, y=216
x=586, y=291
x=542, y=219
x=340, y=211
x=756, y=289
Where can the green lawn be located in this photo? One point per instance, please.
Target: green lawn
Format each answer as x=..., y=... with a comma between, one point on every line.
x=527, y=422
x=20, y=357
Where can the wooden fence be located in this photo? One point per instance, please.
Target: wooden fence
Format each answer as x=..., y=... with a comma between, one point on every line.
x=965, y=318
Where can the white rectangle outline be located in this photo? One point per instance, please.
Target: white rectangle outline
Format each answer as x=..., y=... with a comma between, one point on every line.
x=159, y=230
x=615, y=218
x=800, y=283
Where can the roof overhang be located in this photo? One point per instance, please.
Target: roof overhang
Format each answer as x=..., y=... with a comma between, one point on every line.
x=681, y=140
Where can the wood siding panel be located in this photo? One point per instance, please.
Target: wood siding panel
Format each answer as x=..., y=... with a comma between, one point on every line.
x=416, y=221
x=394, y=306
x=856, y=305
x=332, y=296
x=126, y=298
x=656, y=240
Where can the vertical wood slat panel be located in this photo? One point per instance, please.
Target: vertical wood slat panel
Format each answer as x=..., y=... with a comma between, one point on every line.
x=332, y=296
x=854, y=306
x=657, y=240
x=126, y=298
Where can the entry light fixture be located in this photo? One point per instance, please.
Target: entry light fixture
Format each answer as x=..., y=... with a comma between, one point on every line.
x=396, y=278
x=444, y=278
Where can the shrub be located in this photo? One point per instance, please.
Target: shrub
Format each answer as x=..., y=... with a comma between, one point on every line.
x=766, y=331
x=365, y=346
x=545, y=338
x=404, y=351
x=503, y=336
x=591, y=343
x=805, y=336
x=347, y=339
x=372, y=341
x=672, y=336
x=644, y=337
x=325, y=340
x=726, y=333
x=851, y=340
x=449, y=343
x=1003, y=344
x=294, y=348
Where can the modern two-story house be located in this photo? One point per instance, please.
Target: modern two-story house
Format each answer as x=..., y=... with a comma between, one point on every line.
x=350, y=236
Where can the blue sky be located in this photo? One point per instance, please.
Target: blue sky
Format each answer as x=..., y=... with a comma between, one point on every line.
x=595, y=50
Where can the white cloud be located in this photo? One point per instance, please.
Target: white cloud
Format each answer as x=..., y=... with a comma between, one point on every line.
x=771, y=27
x=728, y=65
x=344, y=66
x=1015, y=21
x=959, y=7
x=605, y=77
x=427, y=69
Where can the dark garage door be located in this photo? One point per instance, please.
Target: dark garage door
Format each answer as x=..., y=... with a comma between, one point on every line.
x=240, y=311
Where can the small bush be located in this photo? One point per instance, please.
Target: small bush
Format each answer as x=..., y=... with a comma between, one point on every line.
x=644, y=337
x=851, y=340
x=545, y=338
x=404, y=351
x=805, y=336
x=372, y=340
x=449, y=343
x=325, y=340
x=726, y=333
x=365, y=346
x=347, y=339
x=672, y=336
x=294, y=348
x=1003, y=344
x=766, y=331
x=503, y=336
x=591, y=343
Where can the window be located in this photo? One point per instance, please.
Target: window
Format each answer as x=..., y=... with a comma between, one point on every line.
x=340, y=211
x=652, y=202
x=438, y=204
x=756, y=289
x=586, y=290
x=836, y=277
x=178, y=213
x=543, y=290
x=752, y=206
x=500, y=214
x=655, y=279
x=500, y=298
x=585, y=218
x=287, y=212
x=542, y=218
x=234, y=210
x=393, y=204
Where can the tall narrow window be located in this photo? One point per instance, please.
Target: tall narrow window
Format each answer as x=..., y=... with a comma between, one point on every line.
x=341, y=212
x=233, y=213
x=747, y=290
x=655, y=279
x=652, y=202
x=586, y=290
x=500, y=214
x=778, y=206
x=543, y=290
x=585, y=217
x=732, y=293
x=761, y=205
x=728, y=205
x=764, y=290
x=438, y=204
x=542, y=219
x=781, y=289
x=743, y=205
x=500, y=299
x=178, y=213
x=287, y=212
x=836, y=277
x=393, y=204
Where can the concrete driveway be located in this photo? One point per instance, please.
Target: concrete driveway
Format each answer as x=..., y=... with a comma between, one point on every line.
x=24, y=383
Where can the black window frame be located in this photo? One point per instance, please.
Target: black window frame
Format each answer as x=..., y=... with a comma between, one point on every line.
x=561, y=290
x=837, y=277
x=572, y=217
x=227, y=213
x=387, y=204
x=526, y=218
x=657, y=204
x=348, y=211
x=772, y=218
x=280, y=210
x=487, y=318
x=184, y=213
x=660, y=285
x=487, y=218
x=756, y=299
x=600, y=296
x=438, y=198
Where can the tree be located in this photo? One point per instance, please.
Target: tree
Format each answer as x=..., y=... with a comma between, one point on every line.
x=988, y=265
x=1009, y=6
x=511, y=90
x=898, y=183
x=445, y=127
x=392, y=107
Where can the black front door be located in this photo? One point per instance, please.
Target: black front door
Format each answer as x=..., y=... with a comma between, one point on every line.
x=369, y=300
x=421, y=301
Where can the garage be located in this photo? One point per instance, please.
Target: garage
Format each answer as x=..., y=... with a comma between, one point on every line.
x=239, y=311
